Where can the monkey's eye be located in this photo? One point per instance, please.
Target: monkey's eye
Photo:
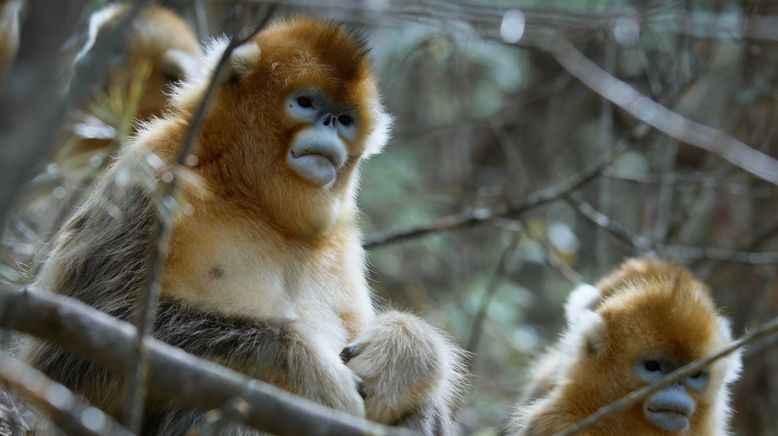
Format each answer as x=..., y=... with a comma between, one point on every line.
x=698, y=374
x=652, y=365
x=345, y=120
x=305, y=102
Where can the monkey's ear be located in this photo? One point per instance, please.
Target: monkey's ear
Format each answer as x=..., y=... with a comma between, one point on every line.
x=243, y=60
x=178, y=64
x=585, y=333
x=584, y=297
x=379, y=136
x=734, y=362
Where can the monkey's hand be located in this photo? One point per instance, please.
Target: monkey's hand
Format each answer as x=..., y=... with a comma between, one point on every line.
x=332, y=383
x=412, y=373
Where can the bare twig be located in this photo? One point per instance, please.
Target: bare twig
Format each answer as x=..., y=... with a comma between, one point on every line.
x=764, y=331
x=758, y=240
x=563, y=269
x=479, y=216
x=65, y=409
x=491, y=289
x=188, y=381
x=641, y=243
x=542, y=17
x=146, y=309
x=660, y=117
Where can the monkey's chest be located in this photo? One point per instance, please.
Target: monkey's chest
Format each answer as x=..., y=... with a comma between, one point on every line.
x=244, y=280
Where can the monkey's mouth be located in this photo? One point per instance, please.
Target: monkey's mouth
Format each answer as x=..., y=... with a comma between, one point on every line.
x=668, y=418
x=316, y=162
x=320, y=157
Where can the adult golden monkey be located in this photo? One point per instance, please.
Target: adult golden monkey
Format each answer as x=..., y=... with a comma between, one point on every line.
x=639, y=323
x=266, y=272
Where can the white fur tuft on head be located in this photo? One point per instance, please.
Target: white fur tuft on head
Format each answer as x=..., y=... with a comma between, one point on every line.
x=588, y=332
x=734, y=360
x=378, y=138
x=244, y=58
x=580, y=300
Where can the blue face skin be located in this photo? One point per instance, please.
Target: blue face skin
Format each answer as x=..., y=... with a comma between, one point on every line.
x=319, y=151
x=671, y=408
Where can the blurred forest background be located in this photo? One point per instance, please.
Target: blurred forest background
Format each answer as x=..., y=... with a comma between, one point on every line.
x=508, y=180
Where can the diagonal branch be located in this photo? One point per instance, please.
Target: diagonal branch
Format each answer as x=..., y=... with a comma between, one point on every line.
x=479, y=216
x=147, y=305
x=188, y=381
x=763, y=332
x=66, y=410
x=660, y=117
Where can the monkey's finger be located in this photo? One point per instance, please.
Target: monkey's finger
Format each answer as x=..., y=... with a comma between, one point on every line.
x=361, y=389
x=348, y=353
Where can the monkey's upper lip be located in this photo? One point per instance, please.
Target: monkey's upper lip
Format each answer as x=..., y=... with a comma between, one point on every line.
x=324, y=152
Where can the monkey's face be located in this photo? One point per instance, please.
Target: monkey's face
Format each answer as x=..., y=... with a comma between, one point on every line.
x=672, y=407
x=321, y=145
x=298, y=111
x=651, y=331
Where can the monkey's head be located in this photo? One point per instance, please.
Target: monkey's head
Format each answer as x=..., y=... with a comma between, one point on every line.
x=648, y=327
x=295, y=113
x=158, y=50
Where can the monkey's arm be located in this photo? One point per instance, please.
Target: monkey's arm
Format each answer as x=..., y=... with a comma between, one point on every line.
x=413, y=374
x=270, y=350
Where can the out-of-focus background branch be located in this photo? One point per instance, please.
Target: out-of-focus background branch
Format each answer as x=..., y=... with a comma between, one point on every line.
x=536, y=144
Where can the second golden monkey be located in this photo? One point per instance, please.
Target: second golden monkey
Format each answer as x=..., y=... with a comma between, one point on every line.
x=158, y=50
x=639, y=323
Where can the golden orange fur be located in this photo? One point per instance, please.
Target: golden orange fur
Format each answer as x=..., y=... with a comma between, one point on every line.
x=648, y=306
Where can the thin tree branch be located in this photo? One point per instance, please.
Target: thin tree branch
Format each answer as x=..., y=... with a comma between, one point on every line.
x=764, y=331
x=188, y=381
x=641, y=243
x=552, y=261
x=479, y=216
x=491, y=290
x=757, y=241
x=540, y=18
x=66, y=410
x=660, y=117
x=146, y=309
